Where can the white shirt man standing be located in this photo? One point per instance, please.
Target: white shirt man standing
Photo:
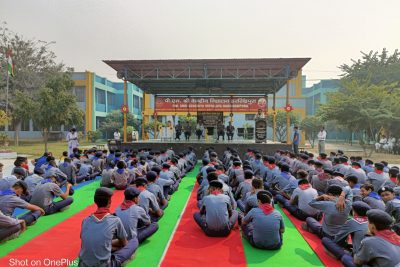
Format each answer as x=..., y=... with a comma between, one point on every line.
x=321, y=140
x=117, y=136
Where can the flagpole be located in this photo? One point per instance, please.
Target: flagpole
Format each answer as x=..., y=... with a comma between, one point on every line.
x=8, y=79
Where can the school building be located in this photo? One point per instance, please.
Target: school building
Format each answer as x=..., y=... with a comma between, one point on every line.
x=96, y=96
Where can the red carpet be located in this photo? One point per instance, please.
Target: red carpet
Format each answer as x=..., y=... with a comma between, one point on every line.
x=60, y=243
x=314, y=242
x=191, y=247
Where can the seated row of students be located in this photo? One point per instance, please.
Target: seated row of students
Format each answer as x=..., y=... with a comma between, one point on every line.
x=36, y=191
x=134, y=220
x=311, y=190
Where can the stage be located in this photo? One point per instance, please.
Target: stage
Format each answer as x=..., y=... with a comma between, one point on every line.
x=199, y=147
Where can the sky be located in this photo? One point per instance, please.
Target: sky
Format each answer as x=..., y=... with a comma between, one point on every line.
x=87, y=31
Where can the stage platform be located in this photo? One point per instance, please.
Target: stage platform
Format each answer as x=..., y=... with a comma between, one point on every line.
x=241, y=146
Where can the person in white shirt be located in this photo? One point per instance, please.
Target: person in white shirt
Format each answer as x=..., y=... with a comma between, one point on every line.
x=72, y=139
x=117, y=136
x=321, y=140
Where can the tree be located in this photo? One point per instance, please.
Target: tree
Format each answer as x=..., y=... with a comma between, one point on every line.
x=364, y=108
x=311, y=126
x=281, y=123
x=55, y=105
x=149, y=128
x=34, y=64
x=115, y=120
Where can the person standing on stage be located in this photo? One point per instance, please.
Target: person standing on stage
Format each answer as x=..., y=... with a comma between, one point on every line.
x=260, y=114
x=117, y=136
x=188, y=131
x=230, y=131
x=321, y=140
x=199, y=130
x=296, y=140
x=220, y=130
x=72, y=139
x=178, y=131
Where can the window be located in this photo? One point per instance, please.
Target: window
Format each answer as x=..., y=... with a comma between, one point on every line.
x=99, y=121
x=35, y=127
x=79, y=92
x=110, y=99
x=140, y=103
x=100, y=96
x=25, y=125
x=250, y=117
x=136, y=103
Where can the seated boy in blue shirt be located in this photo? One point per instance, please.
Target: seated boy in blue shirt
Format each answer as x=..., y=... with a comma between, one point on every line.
x=136, y=221
x=333, y=218
x=216, y=217
x=383, y=247
x=111, y=247
x=263, y=226
x=356, y=227
x=392, y=206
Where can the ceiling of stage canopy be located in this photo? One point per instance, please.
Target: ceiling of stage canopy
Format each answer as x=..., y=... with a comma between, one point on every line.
x=258, y=76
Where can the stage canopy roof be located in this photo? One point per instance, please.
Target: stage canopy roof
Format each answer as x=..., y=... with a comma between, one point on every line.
x=258, y=76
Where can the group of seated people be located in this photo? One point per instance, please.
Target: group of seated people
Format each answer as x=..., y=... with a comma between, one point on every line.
x=148, y=179
x=352, y=204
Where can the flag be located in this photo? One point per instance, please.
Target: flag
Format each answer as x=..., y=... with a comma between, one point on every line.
x=10, y=64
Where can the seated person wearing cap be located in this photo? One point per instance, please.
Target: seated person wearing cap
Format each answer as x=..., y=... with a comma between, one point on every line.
x=154, y=188
x=298, y=205
x=216, y=217
x=357, y=171
x=69, y=170
x=355, y=187
x=320, y=181
x=213, y=176
x=263, y=226
x=168, y=175
x=106, y=175
x=32, y=181
x=45, y=193
x=245, y=186
x=370, y=197
x=52, y=170
x=136, y=221
x=271, y=171
x=392, y=206
x=10, y=199
x=250, y=200
x=383, y=247
x=377, y=178
x=165, y=185
x=356, y=227
x=283, y=181
x=10, y=228
x=148, y=200
x=120, y=176
x=111, y=247
x=333, y=218
x=98, y=164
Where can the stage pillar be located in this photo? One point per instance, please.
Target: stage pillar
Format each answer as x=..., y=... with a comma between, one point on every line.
x=274, y=118
x=125, y=104
x=287, y=115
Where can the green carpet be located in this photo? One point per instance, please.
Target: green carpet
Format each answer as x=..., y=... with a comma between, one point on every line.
x=150, y=252
x=294, y=252
x=82, y=199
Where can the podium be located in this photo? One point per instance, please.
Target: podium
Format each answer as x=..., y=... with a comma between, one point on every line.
x=260, y=130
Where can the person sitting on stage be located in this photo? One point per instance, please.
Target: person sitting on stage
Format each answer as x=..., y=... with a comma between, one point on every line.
x=263, y=226
x=220, y=130
x=216, y=217
x=136, y=221
x=199, y=130
x=103, y=237
x=178, y=131
x=230, y=131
